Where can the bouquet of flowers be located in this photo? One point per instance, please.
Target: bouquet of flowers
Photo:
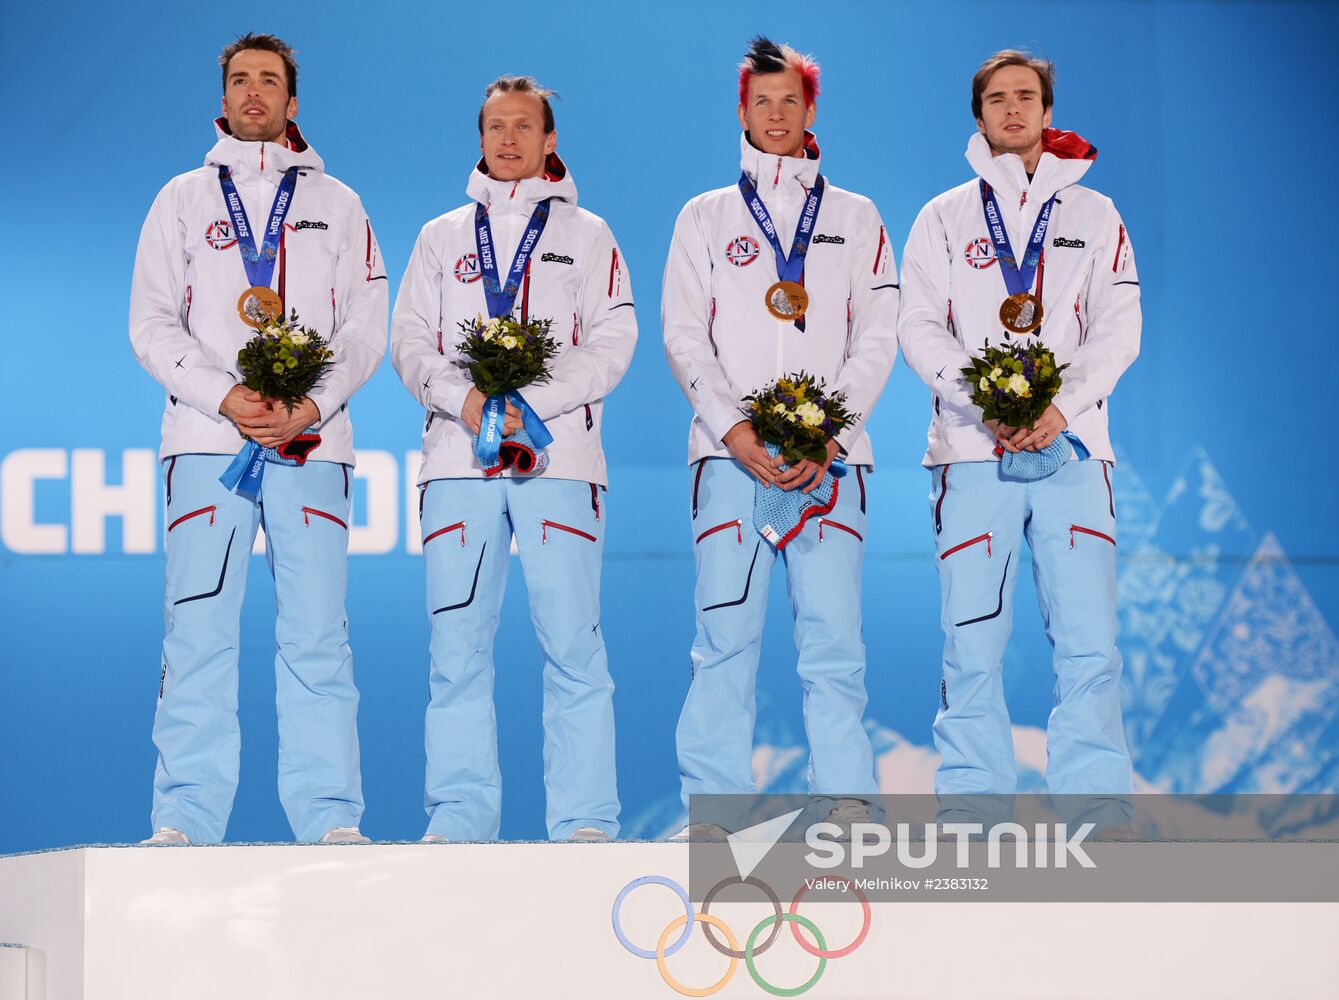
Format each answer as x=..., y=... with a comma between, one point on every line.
x=283, y=362
x=795, y=417
x=1015, y=383
x=502, y=356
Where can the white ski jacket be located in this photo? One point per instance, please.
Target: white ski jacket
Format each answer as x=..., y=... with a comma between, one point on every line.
x=721, y=341
x=576, y=277
x=184, y=326
x=952, y=290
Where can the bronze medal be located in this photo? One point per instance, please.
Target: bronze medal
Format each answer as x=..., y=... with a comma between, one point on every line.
x=787, y=301
x=1021, y=313
x=258, y=305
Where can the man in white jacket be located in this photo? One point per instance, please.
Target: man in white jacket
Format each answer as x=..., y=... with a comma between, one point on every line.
x=197, y=252
x=575, y=276
x=954, y=281
x=722, y=343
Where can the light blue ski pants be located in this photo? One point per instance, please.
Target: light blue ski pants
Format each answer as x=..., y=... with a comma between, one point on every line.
x=734, y=562
x=305, y=514
x=1069, y=521
x=467, y=527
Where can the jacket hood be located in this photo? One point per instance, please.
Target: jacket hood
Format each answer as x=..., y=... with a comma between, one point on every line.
x=260, y=158
x=523, y=195
x=769, y=170
x=1065, y=158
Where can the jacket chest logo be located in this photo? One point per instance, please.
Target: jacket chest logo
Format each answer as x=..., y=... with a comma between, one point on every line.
x=467, y=269
x=980, y=253
x=1060, y=241
x=310, y=224
x=742, y=251
x=219, y=235
x=556, y=258
x=821, y=238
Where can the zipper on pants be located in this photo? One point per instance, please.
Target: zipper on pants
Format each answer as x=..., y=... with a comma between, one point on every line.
x=195, y=513
x=546, y=525
x=969, y=543
x=1087, y=531
x=737, y=524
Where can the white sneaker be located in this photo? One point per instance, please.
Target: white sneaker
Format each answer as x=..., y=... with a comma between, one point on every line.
x=344, y=835
x=434, y=838
x=590, y=835
x=168, y=836
x=701, y=833
x=847, y=812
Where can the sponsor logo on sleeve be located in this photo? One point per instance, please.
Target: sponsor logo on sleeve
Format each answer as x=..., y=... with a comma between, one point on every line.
x=980, y=253
x=467, y=269
x=742, y=251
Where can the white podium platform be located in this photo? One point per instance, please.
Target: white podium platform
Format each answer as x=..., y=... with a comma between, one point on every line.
x=409, y=921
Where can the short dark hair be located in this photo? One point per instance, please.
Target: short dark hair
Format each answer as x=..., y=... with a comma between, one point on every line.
x=520, y=85
x=266, y=43
x=1044, y=68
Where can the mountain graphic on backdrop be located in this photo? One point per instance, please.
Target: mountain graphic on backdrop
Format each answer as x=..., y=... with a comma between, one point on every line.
x=1231, y=672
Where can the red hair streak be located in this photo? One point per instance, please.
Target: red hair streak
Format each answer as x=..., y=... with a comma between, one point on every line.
x=807, y=68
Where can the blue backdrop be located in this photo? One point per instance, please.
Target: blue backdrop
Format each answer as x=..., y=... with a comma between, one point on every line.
x=1216, y=129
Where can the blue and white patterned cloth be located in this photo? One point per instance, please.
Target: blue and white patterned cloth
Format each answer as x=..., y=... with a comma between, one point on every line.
x=1029, y=466
x=518, y=452
x=779, y=515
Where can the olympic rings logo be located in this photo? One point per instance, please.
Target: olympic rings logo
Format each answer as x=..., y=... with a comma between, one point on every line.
x=730, y=947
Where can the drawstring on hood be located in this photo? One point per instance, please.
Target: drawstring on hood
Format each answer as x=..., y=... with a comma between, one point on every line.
x=769, y=171
x=521, y=196
x=250, y=160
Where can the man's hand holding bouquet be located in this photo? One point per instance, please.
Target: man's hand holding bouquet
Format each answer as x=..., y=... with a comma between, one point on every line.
x=796, y=418
x=1014, y=384
x=504, y=355
x=282, y=363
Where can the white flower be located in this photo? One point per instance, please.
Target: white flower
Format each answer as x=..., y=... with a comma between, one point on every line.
x=793, y=417
x=510, y=342
x=299, y=339
x=495, y=325
x=996, y=373
x=779, y=408
x=487, y=334
x=984, y=384
x=810, y=413
x=1018, y=385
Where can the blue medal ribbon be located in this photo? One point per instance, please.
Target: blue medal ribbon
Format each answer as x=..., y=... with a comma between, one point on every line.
x=259, y=264
x=489, y=442
x=246, y=471
x=788, y=268
x=244, y=475
x=501, y=298
x=1017, y=278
